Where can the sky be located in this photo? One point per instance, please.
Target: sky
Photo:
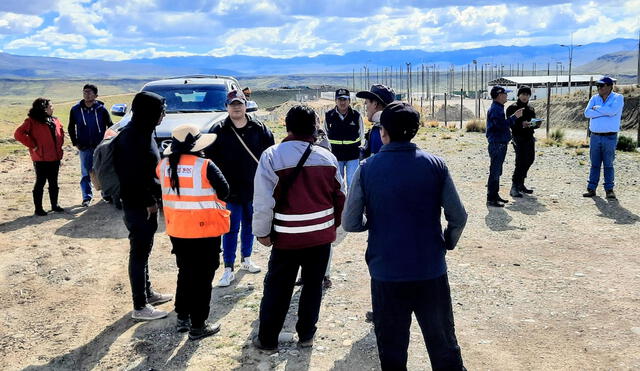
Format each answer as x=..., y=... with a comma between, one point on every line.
x=132, y=29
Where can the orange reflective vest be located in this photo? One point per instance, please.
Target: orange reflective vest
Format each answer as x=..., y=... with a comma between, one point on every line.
x=196, y=212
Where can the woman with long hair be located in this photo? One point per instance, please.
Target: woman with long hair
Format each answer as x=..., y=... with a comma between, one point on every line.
x=195, y=217
x=42, y=133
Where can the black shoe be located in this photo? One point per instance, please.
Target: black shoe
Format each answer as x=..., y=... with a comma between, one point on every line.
x=368, y=317
x=502, y=199
x=326, y=283
x=202, y=332
x=183, y=325
x=514, y=192
x=40, y=212
x=306, y=343
x=258, y=344
x=494, y=203
x=589, y=193
x=57, y=209
x=524, y=189
x=611, y=194
x=107, y=199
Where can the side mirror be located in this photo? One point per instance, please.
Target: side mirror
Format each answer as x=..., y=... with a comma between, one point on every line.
x=252, y=106
x=119, y=109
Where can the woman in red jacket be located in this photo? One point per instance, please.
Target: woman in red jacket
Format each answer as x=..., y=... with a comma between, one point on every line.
x=43, y=135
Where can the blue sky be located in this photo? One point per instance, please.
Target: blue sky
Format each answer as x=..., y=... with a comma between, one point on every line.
x=126, y=29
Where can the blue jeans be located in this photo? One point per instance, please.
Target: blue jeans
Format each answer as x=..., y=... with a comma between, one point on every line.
x=497, y=154
x=241, y=214
x=351, y=167
x=86, y=163
x=602, y=151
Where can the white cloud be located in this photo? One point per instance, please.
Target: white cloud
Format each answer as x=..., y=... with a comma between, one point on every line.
x=47, y=38
x=117, y=55
x=13, y=23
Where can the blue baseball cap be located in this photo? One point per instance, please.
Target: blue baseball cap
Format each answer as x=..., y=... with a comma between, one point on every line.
x=605, y=80
x=497, y=90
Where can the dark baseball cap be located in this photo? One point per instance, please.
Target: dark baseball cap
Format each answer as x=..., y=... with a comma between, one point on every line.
x=401, y=120
x=524, y=89
x=379, y=93
x=497, y=90
x=236, y=96
x=605, y=80
x=343, y=93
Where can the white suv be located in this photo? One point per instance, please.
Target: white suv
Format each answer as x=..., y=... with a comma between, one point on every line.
x=197, y=100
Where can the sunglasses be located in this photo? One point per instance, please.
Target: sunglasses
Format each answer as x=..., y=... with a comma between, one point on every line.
x=601, y=85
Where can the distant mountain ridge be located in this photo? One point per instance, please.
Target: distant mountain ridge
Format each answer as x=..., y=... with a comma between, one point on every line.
x=625, y=62
x=237, y=65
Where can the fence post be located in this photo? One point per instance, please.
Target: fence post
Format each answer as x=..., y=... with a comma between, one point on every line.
x=445, y=109
x=461, y=106
x=589, y=98
x=548, y=106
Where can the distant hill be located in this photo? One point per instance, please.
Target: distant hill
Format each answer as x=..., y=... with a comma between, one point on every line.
x=238, y=65
x=624, y=62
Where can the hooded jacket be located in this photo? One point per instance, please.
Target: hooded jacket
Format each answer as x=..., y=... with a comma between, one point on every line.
x=136, y=153
x=88, y=124
x=43, y=140
x=519, y=132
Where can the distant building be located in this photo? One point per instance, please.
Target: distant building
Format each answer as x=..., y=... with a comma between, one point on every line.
x=559, y=84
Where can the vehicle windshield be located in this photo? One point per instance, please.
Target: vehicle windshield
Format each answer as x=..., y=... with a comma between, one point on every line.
x=192, y=98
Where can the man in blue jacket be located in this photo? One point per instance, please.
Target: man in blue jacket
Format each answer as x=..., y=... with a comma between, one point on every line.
x=498, y=135
x=88, y=120
x=406, y=246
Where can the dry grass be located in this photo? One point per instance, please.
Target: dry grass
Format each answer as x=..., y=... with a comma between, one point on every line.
x=476, y=126
x=580, y=151
x=569, y=143
x=432, y=124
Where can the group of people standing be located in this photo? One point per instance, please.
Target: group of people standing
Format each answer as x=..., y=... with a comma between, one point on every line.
x=516, y=125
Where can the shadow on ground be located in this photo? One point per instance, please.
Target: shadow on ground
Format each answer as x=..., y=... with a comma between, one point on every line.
x=362, y=356
x=528, y=205
x=613, y=210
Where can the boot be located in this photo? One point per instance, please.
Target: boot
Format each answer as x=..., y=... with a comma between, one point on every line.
x=37, y=202
x=514, y=191
x=53, y=197
x=524, y=189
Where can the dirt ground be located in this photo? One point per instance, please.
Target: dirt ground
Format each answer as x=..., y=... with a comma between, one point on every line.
x=551, y=282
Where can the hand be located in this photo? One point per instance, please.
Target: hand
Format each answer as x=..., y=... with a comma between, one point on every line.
x=526, y=124
x=266, y=241
x=35, y=148
x=151, y=210
x=518, y=113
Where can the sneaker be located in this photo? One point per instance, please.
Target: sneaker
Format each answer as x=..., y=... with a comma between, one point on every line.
x=306, y=343
x=258, y=344
x=326, y=283
x=524, y=189
x=148, y=313
x=611, y=194
x=202, y=332
x=157, y=298
x=589, y=193
x=57, y=209
x=227, y=277
x=183, y=325
x=248, y=265
x=494, y=203
x=85, y=203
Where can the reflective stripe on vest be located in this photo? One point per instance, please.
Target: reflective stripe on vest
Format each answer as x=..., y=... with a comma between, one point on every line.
x=303, y=217
x=334, y=141
x=196, y=212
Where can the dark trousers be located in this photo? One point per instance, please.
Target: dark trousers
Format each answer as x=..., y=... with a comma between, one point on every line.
x=197, y=260
x=430, y=300
x=278, y=287
x=141, y=231
x=497, y=153
x=525, y=154
x=46, y=171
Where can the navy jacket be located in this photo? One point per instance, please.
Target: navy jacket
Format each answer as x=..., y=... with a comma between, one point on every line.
x=498, y=126
x=398, y=195
x=88, y=124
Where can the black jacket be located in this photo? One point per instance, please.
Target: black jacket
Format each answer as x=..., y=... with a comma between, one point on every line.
x=238, y=167
x=529, y=113
x=135, y=158
x=87, y=125
x=344, y=135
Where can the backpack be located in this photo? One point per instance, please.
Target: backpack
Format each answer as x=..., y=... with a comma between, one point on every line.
x=103, y=174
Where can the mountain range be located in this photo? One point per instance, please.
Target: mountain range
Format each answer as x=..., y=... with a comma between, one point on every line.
x=595, y=57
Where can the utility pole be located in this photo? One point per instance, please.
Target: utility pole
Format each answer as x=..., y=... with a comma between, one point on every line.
x=409, y=97
x=571, y=46
x=475, y=95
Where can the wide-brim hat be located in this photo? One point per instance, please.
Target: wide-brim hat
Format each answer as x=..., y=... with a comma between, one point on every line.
x=378, y=93
x=188, y=138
